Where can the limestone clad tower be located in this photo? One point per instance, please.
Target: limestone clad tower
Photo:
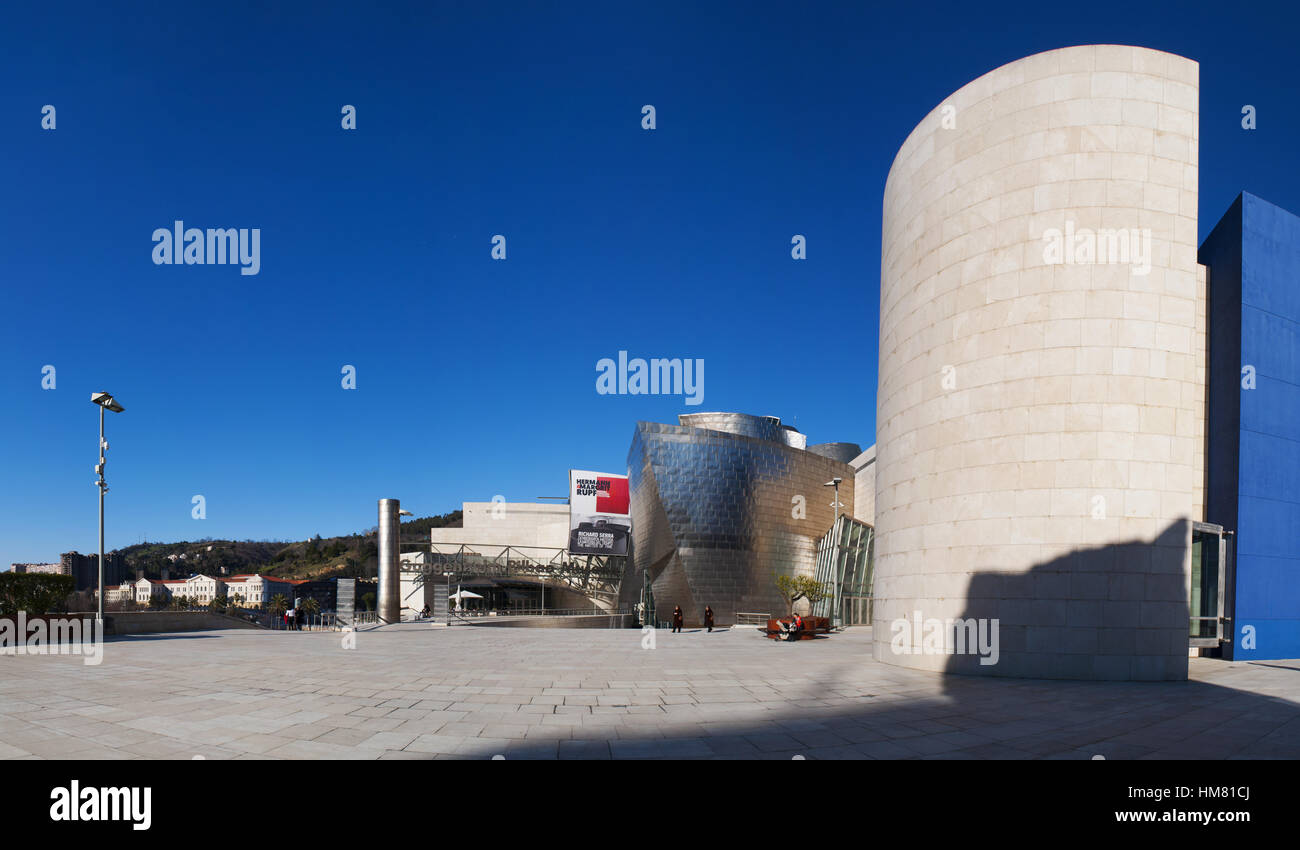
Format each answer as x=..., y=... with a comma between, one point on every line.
x=1041, y=394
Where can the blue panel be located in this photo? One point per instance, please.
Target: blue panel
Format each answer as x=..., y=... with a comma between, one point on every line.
x=1269, y=469
x=1266, y=592
x=1268, y=527
x=1267, y=582
x=1270, y=258
x=1272, y=408
x=1272, y=345
x=1273, y=639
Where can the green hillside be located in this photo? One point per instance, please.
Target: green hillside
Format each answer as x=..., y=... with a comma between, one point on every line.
x=350, y=555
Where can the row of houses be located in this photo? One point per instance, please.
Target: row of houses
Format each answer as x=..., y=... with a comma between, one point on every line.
x=249, y=589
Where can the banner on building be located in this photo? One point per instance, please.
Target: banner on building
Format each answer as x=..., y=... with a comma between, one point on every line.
x=599, y=521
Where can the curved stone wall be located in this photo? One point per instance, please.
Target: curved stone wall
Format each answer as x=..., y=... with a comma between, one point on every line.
x=1038, y=409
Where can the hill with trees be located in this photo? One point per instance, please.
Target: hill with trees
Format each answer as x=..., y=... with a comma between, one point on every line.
x=349, y=555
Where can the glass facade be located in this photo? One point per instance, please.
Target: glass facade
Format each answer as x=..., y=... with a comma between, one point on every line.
x=844, y=565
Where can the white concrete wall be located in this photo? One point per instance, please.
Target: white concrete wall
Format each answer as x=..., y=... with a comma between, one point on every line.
x=1034, y=418
x=864, y=486
x=510, y=524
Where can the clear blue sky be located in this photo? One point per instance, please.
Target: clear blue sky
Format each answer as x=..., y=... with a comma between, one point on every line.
x=477, y=377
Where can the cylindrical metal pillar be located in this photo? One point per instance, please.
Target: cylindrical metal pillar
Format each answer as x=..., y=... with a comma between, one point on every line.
x=389, y=580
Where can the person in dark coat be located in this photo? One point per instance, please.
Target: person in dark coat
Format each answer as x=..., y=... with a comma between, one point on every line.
x=708, y=618
x=677, y=618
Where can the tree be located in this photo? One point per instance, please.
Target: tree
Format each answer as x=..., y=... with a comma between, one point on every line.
x=35, y=593
x=369, y=601
x=310, y=607
x=794, y=588
x=278, y=605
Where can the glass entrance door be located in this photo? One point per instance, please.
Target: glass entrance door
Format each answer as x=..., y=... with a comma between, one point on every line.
x=1209, y=576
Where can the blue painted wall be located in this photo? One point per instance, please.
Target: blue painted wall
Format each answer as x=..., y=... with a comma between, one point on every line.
x=1253, y=466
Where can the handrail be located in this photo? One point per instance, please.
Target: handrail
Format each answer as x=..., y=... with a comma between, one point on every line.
x=472, y=615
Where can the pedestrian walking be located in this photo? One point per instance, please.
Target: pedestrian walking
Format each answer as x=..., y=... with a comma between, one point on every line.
x=677, y=619
x=708, y=618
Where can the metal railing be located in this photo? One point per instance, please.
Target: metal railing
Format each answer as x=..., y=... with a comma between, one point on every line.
x=535, y=612
x=750, y=618
x=598, y=575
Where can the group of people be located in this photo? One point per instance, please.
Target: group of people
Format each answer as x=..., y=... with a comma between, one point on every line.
x=294, y=619
x=790, y=629
x=677, y=618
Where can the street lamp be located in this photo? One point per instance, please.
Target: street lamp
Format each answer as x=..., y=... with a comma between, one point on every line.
x=835, y=482
x=105, y=402
x=835, y=576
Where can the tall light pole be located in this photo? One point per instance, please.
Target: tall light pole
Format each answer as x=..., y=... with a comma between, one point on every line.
x=837, y=504
x=836, y=578
x=105, y=402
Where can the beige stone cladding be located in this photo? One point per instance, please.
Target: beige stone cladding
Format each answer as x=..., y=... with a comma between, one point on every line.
x=1041, y=403
x=864, y=486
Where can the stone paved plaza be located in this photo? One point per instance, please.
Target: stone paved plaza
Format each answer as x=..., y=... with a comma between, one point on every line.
x=411, y=691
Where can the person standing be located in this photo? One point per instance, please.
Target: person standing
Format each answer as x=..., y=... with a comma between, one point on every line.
x=677, y=618
x=708, y=618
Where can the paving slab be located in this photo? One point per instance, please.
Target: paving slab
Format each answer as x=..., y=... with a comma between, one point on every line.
x=411, y=692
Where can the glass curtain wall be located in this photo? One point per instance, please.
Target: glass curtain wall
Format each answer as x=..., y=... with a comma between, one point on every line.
x=844, y=566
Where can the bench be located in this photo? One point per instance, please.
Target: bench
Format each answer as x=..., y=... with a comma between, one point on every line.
x=812, y=626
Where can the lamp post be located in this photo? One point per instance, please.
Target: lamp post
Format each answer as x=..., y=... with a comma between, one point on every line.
x=105, y=402
x=836, y=578
x=835, y=482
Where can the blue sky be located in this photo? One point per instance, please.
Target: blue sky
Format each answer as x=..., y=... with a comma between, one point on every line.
x=476, y=377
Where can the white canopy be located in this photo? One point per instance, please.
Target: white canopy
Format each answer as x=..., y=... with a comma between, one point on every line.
x=462, y=595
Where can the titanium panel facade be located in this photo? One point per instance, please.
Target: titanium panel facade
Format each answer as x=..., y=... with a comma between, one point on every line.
x=717, y=514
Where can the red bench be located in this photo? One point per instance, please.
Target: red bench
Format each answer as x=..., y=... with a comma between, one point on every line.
x=812, y=626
